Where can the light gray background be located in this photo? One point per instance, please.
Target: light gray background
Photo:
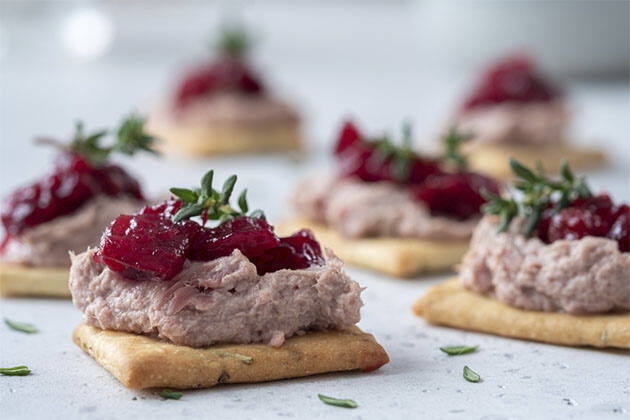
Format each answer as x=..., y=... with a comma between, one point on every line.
x=381, y=62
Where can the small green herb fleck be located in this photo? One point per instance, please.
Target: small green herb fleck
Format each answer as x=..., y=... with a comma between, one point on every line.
x=210, y=203
x=337, y=402
x=21, y=326
x=15, y=371
x=470, y=375
x=537, y=194
x=457, y=350
x=604, y=336
x=245, y=359
x=169, y=394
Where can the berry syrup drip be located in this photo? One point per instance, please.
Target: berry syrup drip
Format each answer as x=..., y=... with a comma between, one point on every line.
x=593, y=216
x=150, y=246
x=227, y=74
x=72, y=183
x=456, y=195
x=513, y=79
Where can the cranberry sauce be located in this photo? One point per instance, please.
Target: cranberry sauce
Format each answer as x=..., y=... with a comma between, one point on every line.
x=148, y=245
x=594, y=216
x=513, y=79
x=456, y=195
x=73, y=182
x=225, y=74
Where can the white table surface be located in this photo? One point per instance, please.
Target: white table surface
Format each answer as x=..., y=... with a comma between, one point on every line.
x=44, y=93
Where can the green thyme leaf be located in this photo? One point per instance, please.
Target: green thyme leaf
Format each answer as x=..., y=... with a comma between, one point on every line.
x=452, y=144
x=242, y=201
x=206, y=183
x=245, y=359
x=185, y=194
x=457, y=350
x=130, y=138
x=209, y=202
x=169, y=394
x=337, y=402
x=401, y=156
x=15, y=371
x=604, y=336
x=537, y=194
x=258, y=214
x=188, y=212
x=234, y=41
x=470, y=375
x=21, y=326
x=228, y=187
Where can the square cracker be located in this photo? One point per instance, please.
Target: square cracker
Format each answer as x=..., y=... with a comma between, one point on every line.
x=452, y=305
x=218, y=139
x=139, y=361
x=494, y=159
x=400, y=257
x=22, y=281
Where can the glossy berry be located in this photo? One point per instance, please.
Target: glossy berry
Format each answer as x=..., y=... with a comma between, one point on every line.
x=593, y=216
x=456, y=195
x=360, y=158
x=225, y=74
x=149, y=245
x=73, y=182
x=513, y=79
x=144, y=246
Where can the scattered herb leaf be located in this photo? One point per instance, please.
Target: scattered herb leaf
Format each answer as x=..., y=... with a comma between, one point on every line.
x=337, y=402
x=457, y=350
x=245, y=359
x=604, y=337
x=470, y=375
x=537, y=194
x=169, y=394
x=21, y=326
x=214, y=205
x=15, y=371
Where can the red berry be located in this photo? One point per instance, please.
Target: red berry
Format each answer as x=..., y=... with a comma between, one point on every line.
x=252, y=236
x=144, y=246
x=149, y=245
x=72, y=183
x=347, y=137
x=455, y=195
x=513, y=79
x=620, y=229
x=573, y=223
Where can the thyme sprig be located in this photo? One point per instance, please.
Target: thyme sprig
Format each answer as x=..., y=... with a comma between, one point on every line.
x=234, y=41
x=210, y=203
x=401, y=155
x=537, y=193
x=130, y=138
x=453, y=140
